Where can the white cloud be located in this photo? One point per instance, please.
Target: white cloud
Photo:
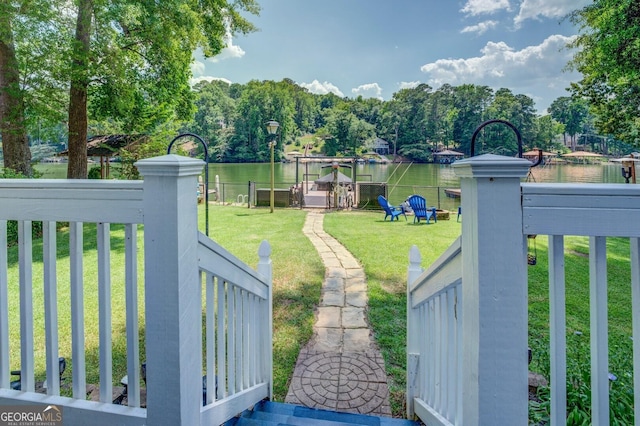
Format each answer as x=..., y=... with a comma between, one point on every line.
x=408, y=84
x=534, y=9
x=530, y=70
x=197, y=80
x=197, y=68
x=230, y=50
x=370, y=90
x=480, y=28
x=318, y=88
x=477, y=7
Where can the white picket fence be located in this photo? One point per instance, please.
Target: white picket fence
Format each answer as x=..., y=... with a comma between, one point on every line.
x=467, y=313
x=186, y=276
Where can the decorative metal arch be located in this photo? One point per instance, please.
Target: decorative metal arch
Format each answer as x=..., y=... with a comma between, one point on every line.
x=512, y=127
x=206, y=172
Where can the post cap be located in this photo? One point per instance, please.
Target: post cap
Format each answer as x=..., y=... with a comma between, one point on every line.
x=491, y=165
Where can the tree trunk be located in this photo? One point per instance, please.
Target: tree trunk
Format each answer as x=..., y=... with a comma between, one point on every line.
x=15, y=144
x=77, y=167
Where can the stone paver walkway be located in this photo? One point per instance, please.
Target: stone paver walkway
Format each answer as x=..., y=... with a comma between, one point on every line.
x=341, y=367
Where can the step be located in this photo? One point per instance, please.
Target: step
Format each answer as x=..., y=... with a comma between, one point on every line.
x=283, y=419
x=281, y=413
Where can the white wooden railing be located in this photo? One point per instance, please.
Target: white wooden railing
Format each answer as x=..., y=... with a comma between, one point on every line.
x=184, y=273
x=434, y=337
x=467, y=314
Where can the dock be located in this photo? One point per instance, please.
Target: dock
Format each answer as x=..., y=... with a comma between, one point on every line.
x=452, y=192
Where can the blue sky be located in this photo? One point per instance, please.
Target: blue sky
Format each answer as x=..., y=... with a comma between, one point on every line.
x=375, y=48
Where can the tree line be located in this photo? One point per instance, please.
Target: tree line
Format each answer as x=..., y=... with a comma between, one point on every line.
x=416, y=122
x=69, y=70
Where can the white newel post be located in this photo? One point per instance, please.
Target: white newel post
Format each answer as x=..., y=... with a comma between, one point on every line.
x=494, y=291
x=265, y=267
x=413, y=331
x=173, y=316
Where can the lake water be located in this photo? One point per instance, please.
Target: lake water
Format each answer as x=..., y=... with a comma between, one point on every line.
x=402, y=180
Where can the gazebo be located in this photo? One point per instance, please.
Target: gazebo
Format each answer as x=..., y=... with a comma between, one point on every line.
x=106, y=146
x=324, y=183
x=533, y=155
x=584, y=156
x=447, y=156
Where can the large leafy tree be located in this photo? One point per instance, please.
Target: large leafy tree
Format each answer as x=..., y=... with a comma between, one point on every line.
x=573, y=112
x=546, y=131
x=410, y=106
x=23, y=57
x=471, y=102
x=517, y=110
x=215, y=116
x=33, y=37
x=12, y=119
x=609, y=60
x=259, y=103
x=130, y=61
x=126, y=62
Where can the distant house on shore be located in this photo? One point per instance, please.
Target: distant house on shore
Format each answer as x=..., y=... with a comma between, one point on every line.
x=380, y=146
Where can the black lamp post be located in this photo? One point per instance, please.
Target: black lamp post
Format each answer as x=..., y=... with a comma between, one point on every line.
x=272, y=129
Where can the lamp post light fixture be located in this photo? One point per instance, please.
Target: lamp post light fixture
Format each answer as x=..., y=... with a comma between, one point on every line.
x=272, y=129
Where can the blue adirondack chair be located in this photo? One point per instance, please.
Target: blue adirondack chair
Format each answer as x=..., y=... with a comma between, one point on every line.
x=393, y=211
x=419, y=206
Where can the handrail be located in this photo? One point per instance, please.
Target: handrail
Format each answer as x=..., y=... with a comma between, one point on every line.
x=434, y=320
x=442, y=273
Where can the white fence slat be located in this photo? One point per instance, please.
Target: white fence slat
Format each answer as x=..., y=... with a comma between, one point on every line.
x=210, y=322
x=438, y=359
x=264, y=336
x=253, y=376
x=599, y=331
x=77, y=310
x=231, y=339
x=450, y=353
x=557, y=324
x=25, y=248
x=49, y=249
x=635, y=309
x=104, y=311
x=431, y=359
x=423, y=366
x=221, y=332
x=131, y=302
x=238, y=344
x=256, y=359
x=4, y=308
x=246, y=343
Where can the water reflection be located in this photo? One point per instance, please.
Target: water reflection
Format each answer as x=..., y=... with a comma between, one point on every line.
x=578, y=173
